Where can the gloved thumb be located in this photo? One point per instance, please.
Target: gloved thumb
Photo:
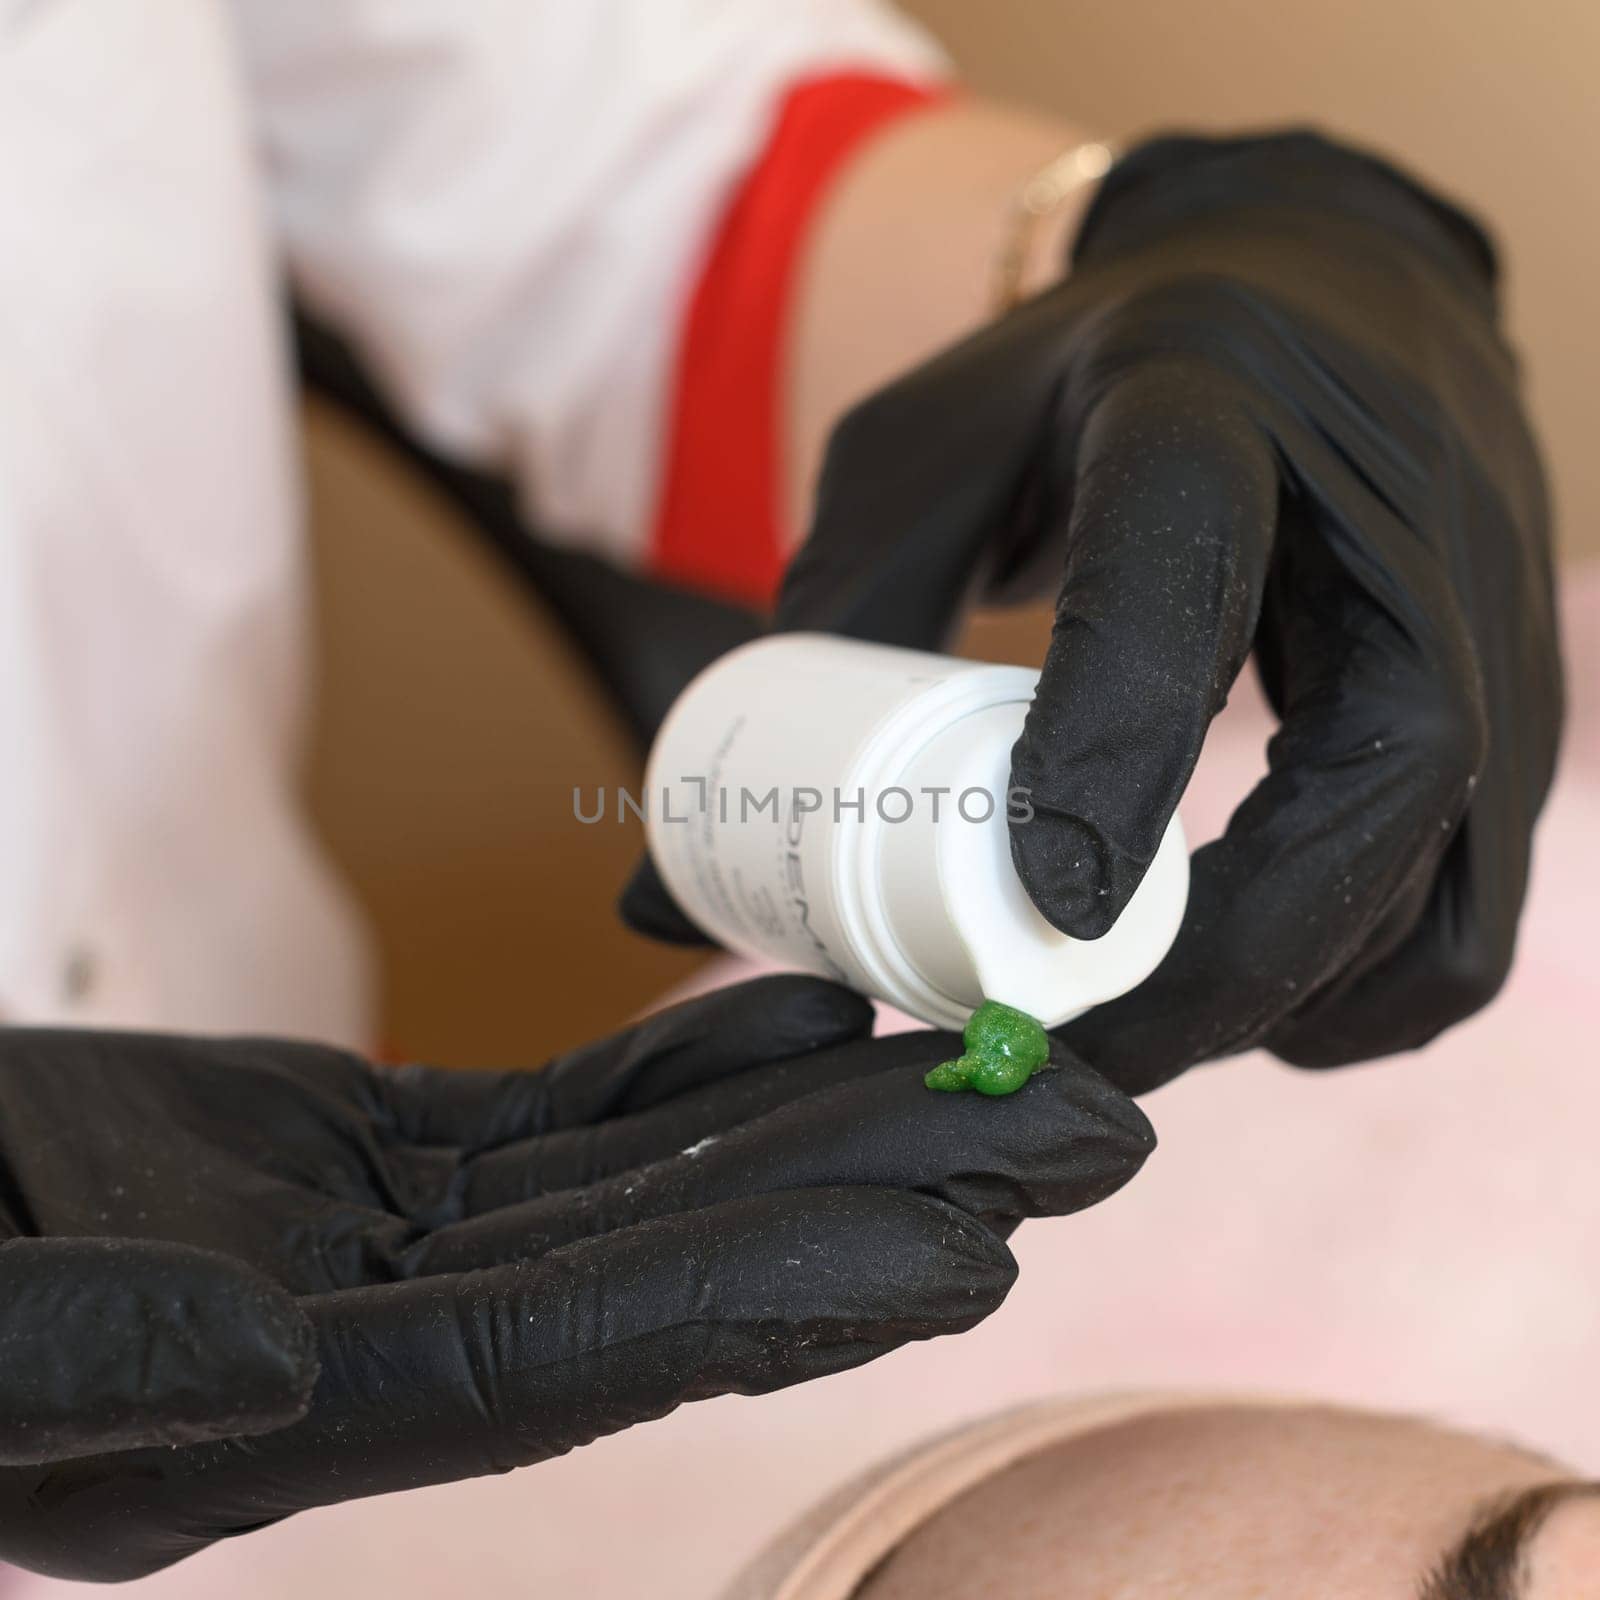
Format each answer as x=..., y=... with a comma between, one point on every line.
x=107, y=1344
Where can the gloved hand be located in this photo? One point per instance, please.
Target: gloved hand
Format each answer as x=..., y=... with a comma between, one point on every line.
x=242, y=1278
x=1271, y=409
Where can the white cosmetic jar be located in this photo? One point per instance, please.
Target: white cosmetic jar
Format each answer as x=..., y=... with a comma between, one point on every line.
x=842, y=808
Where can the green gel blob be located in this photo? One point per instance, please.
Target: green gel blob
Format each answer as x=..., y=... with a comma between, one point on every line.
x=1004, y=1048
x=951, y=1076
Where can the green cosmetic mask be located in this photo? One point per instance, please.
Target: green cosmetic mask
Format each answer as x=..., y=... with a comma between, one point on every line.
x=1004, y=1047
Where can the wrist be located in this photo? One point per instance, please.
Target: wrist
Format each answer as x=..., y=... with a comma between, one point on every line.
x=902, y=260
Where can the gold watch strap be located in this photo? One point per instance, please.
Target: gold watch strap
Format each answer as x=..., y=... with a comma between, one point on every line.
x=1037, y=199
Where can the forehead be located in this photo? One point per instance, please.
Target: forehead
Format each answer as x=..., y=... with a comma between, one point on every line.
x=1221, y=1502
x=1564, y=1563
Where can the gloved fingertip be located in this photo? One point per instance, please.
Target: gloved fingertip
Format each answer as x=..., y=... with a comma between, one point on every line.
x=982, y=1277
x=942, y=1265
x=208, y=1348
x=235, y=1342
x=647, y=907
x=1124, y=1128
x=1076, y=880
x=813, y=1012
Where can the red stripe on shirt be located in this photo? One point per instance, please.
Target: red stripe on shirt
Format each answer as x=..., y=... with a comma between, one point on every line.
x=719, y=523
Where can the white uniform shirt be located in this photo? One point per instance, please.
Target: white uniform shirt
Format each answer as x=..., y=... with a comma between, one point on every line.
x=503, y=204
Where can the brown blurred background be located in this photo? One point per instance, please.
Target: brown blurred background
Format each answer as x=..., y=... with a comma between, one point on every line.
x=453, y=721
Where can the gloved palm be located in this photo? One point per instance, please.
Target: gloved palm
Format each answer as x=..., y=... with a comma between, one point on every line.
x=320, y=1280
x=1270, y=410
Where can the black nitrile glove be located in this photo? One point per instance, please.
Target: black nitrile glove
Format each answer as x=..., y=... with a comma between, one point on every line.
x=320, y=1280
x=1271, y=409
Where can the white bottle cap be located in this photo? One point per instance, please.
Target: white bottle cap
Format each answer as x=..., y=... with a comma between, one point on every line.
x=958, y=915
